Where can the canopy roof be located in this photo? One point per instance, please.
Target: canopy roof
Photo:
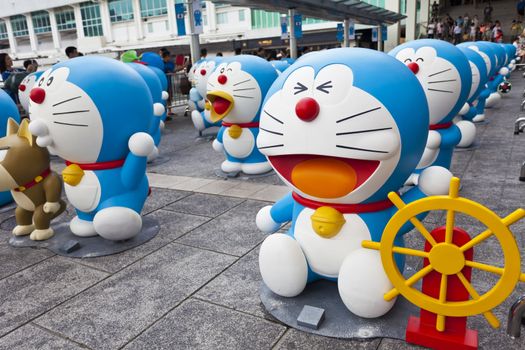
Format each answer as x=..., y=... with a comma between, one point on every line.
x=332, y=10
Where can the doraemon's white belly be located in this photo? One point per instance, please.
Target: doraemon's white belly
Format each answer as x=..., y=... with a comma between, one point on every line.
x=325, y=255
x=86, y=195
x=240, y=147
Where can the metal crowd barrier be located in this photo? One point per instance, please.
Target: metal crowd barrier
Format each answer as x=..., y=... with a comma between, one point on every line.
x=178, y=97
x=516, y=318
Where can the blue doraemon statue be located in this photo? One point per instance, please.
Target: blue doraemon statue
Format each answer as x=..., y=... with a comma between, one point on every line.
x=156, y=64
x=499, y=76
x=201, y=116
x=25, y=86
x=280, y=66
x=485, y=51
x=342, y=142
x=95, y=113
x=469, y=112
x=156, y=91
x=8, y=109
x=236, y=90
x=444, y=73
x=511, y=53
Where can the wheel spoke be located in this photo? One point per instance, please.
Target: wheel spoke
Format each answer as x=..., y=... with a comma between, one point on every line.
x=440, y=320
x=409, y=251
x=490, y=268
x=371, y=245
x=516, y=215
x=416, y=277
x=449, y=228
x=491, y=318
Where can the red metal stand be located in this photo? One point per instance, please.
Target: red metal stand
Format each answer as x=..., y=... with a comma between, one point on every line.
x=422, y=330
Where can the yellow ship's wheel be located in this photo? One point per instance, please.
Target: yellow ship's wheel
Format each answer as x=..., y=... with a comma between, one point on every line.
x=449, y=259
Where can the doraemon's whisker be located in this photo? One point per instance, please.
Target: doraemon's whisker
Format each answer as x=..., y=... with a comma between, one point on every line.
x=441, y=81
x=71, y=112
x=70, y=99
x=242, y=82
x=271, y=116
x=71, y=124
x=443, y=71
x=244, y=89
x=437, y=90
x=360, y=131
x=358, y=114
x=242, y=96
x=361, y=149
x=271, y=132
x=210, y=84
x=272, y=146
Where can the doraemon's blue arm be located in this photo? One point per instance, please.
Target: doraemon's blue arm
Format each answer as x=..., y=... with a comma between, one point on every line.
x=450, y=137
x=270, y=218
x=217, y=143
x=471, y=113
x=134, y=168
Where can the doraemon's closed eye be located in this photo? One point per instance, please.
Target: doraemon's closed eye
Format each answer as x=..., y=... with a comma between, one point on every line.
x=299, y=84
x=332, y=84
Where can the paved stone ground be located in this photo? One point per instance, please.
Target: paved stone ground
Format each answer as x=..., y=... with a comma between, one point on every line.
x=196, y=284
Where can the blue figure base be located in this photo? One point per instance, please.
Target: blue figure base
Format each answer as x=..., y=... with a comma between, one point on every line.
x=64, y=242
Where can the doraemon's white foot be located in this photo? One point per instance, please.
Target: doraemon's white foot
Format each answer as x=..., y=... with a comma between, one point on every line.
x=492, y=100
x=82, y=228
x=117, y=223
x=23, y=230
x=41, y=235
x=478, y=118
x=283, y=265
x=196, y=118
x=230, y=167
x=468, y=133
x=362, y=282
x=256, y=168
x=153, y=155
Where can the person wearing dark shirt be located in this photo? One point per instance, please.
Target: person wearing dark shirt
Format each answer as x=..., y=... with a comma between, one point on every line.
x=6, y=69
x=71, y=52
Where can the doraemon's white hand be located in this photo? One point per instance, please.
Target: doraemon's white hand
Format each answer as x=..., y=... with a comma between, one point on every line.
x=39, y=129
x=434, y=181
x=165, y=95
x=464, y=110
x=431, y=149
x=264, y=220
x=158, y=109
x=468, y=133
x=433, y=140
x=141, y=144
x=201, y=103
x=217, y=146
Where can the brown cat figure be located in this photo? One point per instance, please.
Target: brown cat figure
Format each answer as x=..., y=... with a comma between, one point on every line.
x=24, y=169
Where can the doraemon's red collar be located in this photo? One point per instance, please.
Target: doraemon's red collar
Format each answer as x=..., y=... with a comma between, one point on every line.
x=440, y=126
x=345, y=208
x=99, y=166
x=242, y=125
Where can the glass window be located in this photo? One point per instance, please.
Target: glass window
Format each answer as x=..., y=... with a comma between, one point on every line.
x=204, y=19
x=242, y=16
x=19, y=25
x=150, y=8
x=91, y=20
x=120, y=10
x=222, y=18
x=65, y=19
x=3, y=30
x=41, y=22
x=263, y=19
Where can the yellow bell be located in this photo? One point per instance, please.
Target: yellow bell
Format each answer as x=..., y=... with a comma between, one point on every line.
x=327, y=221
x=72, y=174
x=235, y=131
x=207, y=105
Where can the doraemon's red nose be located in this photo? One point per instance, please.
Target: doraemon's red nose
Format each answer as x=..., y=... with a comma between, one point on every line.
x=203, y=71
x=414, y=67
x=222, y=79
x=307, y=109
x=37, y=95
x=22, y=87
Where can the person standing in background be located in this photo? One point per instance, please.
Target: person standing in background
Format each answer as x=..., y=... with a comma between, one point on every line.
x=6, y=69
x=71, y=52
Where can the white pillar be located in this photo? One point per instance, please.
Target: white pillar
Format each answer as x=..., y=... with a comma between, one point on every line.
x=172, y=19
x=379, y=38
x=106, y=21
x=293, y=39
x=138, y=19
x=10, y=36
x=78, y=21
x=33, y=41
x=212, y=16
x=194, y=38
x=54, y=29
x=424, y=14
x=393, y=30
x=346, y=34
x=411, y=20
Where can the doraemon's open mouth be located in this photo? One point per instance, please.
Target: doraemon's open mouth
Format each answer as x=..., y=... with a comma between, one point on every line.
x=221, y=104
x=323, y=176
